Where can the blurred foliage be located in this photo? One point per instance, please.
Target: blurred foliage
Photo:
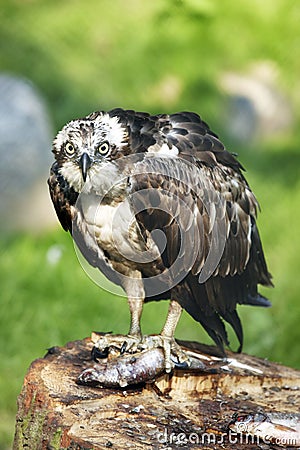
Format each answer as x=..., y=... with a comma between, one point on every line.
x=154, y=55
x=163, y=55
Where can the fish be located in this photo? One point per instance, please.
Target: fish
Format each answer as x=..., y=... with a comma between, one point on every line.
x=125, y=370
x=118, y=369
x=281, y=429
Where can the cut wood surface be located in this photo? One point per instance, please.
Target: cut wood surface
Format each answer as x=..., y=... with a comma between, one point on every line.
x=190, y=409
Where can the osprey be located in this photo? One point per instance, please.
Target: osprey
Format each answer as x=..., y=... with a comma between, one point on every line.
x=159, y=205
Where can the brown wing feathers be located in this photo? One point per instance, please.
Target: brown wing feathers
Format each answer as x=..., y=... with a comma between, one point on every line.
x=63, y=196
x=242, y=265
x=212, y=187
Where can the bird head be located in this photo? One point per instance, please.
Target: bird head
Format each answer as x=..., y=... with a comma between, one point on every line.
x=84, y=144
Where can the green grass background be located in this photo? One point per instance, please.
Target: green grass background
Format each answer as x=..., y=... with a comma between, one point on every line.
x=100, y=54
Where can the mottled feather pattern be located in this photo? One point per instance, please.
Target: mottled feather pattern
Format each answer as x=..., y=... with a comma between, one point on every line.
x=213, y=188
x=63, y=197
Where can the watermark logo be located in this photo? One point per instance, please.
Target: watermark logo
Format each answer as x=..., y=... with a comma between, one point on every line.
x=153, y=215
x=243, y=435
x=261, y=427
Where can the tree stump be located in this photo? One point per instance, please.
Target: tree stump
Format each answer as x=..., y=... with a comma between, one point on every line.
x=191, y=410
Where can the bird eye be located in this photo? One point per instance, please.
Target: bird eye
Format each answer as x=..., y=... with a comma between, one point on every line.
x=69, y=149
x=103, y=148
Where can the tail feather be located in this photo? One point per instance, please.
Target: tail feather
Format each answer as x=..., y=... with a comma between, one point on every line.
x=258, y=300
x=233, y=319
x=215, y=327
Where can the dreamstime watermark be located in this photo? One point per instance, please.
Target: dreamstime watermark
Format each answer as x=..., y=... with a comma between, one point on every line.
x=241, y=437
x=143, y=211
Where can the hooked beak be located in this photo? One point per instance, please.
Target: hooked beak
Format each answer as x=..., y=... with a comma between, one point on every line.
x=85, y=163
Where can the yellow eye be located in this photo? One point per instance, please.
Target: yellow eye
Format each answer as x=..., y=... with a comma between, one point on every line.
x=103, y=148
x=69, y=149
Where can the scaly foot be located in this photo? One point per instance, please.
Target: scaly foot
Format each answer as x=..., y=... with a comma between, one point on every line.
x=173, y=353
x=118, y=344
x=114, y=344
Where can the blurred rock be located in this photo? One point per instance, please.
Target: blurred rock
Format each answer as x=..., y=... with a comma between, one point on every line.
x=25, y=151
x=255, y=107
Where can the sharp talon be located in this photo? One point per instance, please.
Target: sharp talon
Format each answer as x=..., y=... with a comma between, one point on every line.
x=123, y=348
x=118, y=345
x=99, y=354
x=180, y=365
x=115, y=345
x=168, y=368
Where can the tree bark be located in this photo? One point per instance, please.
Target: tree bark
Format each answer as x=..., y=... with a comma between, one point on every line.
x=190, y=409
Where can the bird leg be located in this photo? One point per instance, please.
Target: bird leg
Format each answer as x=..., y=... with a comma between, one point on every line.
x=136, y=309
x=134, y=342
x=120, y=343
x=168, y=332
x=166, y=339
x=110, y=343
